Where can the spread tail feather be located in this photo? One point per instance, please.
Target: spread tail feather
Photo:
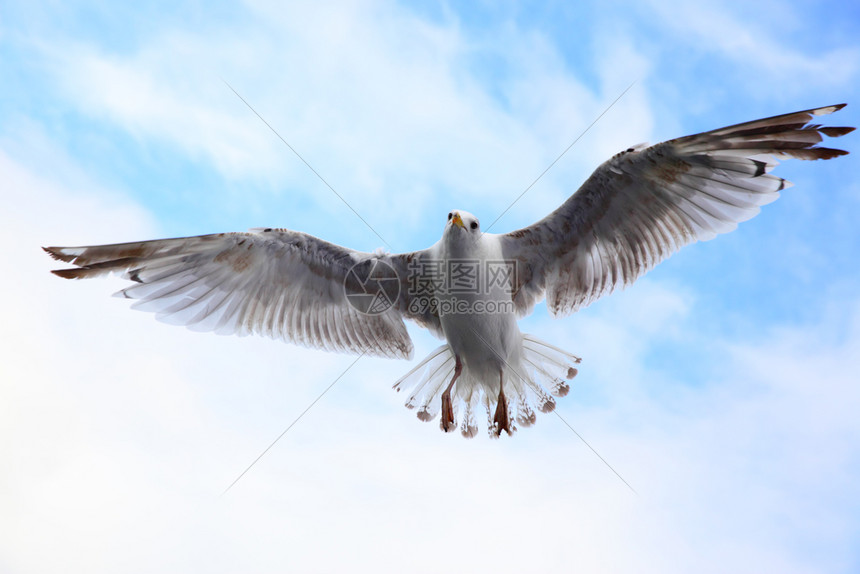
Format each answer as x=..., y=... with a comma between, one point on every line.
x=542, y=366
x=426, y=381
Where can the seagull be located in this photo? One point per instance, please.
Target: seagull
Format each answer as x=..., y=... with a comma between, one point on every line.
x=471, y=287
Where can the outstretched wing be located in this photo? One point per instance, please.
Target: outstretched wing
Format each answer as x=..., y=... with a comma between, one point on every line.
x=645, y=203
x=275, y=282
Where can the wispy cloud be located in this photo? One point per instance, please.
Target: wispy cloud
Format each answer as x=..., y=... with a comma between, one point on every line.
x=765, y=48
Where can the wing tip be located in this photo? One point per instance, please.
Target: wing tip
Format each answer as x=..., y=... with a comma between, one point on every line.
x=835, y=132
x=825, y=153
x=75, y=273
x=823, y=111
x=60, y=253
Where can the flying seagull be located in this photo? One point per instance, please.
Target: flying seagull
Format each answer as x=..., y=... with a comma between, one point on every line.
x=471, y=287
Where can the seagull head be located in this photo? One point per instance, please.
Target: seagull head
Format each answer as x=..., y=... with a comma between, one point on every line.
x=462, y=225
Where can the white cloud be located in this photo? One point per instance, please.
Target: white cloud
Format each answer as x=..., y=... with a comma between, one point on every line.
x=762, y=44
x=383, y=104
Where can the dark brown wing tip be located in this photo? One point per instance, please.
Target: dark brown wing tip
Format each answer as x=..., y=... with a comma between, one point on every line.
x=835, y=132
x=69, y=273
x=827, y=152
x=56, y=253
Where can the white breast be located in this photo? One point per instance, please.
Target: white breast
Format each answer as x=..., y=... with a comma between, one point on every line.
x=476, y=310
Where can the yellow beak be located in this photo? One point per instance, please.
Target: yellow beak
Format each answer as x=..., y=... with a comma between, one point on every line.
x=457, y=220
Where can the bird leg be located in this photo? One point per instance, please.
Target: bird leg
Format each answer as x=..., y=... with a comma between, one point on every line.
x=503, y=423
x=447, y=406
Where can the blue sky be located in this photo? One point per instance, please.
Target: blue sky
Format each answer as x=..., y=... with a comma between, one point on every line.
x=722, y=386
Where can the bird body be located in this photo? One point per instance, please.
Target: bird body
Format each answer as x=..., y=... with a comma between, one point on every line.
x=477, y=324
x=471, y=287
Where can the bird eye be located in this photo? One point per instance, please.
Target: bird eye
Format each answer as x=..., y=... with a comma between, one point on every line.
x=450, y=215
x=474, y=225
